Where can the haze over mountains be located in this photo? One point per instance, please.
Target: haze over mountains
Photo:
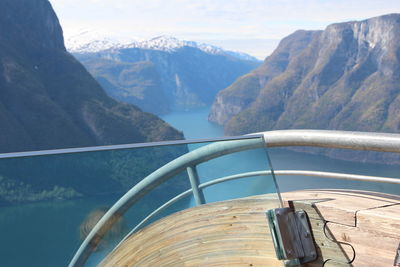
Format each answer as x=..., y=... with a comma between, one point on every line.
x=346, y=77
x=161, y=74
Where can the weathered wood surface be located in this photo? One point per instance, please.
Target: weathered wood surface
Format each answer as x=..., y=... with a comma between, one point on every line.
x=365, y=226
x=349, y=228
x=231, y=233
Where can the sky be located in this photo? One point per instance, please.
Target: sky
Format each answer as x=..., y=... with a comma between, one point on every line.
x=251, y=26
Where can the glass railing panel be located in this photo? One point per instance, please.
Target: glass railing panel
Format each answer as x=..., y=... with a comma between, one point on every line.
x=254, y=161
x=46, y=198
x=50, y=201
x=140, y=211
x=213, y=168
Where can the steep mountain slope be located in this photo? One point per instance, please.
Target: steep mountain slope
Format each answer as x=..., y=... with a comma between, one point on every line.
x=47, y=98
x=138, y=83
x=184, y=74
x=346, y=77
x=241, y=94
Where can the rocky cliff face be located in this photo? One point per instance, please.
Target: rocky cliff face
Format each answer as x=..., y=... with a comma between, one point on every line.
x=183, y=76
x=32, y=24
x=47, y=98
x=47, y=101
x=241, y=94
x=345, y=77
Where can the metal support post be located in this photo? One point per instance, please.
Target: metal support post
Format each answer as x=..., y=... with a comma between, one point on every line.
x=195, y=181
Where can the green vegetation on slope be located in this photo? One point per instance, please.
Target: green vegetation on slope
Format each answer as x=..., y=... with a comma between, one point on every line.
x=159, y=81
x=49, y=101
x=137, y=83
x=345, y=77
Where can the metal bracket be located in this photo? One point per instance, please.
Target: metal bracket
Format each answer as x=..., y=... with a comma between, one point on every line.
x=397, y=257
x=291, y=234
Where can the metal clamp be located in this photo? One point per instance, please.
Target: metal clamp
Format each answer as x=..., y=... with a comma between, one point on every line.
x=292, y=236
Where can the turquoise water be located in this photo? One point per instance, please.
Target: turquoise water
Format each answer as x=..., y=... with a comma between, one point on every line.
x=195, y=125
x=43, y=234
x=46, y=234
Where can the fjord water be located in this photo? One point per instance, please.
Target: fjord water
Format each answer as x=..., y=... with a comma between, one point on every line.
x=47, y=233
x=194, y=124
x=31, y=234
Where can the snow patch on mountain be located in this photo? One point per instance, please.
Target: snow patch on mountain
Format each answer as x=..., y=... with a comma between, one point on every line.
x=91, y=42
x=170, y=44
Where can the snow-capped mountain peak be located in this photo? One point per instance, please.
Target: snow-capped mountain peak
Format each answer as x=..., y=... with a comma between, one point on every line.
x=164, y=43
x=169, y=43
x=90, y=42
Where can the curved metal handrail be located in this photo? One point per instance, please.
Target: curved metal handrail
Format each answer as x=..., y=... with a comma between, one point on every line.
x=331, y=175
x=156, y=178
x=283, y=138
x=371, y=141
x=190, y=191
x=201, y=186
x=341, y=176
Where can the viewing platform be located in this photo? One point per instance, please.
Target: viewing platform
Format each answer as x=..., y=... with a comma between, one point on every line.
x=217, y=202
x=236, y=232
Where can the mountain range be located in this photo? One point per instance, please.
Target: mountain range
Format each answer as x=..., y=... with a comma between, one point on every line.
x=161, y=74
x=89, y=41
x=346, y=77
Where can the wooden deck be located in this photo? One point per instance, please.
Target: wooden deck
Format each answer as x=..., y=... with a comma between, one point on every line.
x=365, y=225
x=235, y=233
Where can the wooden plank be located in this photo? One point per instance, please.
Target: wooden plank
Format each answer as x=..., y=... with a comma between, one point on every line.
x=231, y=233
x=375, y=237
x=235, y=233
x=372, y=249
x=374, y=234
x=328, y=249
x=386, y=218
x=341, y=206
